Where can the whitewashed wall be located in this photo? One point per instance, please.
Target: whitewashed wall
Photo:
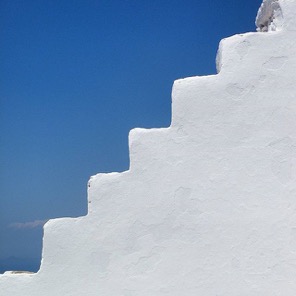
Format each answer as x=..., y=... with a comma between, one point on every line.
x=208, y=206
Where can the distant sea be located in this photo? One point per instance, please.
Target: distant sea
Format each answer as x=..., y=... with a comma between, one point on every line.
x=25, y=264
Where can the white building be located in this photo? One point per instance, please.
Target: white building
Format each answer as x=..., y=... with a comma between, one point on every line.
x=208, y=206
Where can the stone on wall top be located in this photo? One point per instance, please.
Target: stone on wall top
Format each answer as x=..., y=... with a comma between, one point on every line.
x=276, y=15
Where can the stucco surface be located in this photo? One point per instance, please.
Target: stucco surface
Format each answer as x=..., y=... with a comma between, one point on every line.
x=208, y=206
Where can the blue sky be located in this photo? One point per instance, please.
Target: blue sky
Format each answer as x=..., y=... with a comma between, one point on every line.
x=76, y=76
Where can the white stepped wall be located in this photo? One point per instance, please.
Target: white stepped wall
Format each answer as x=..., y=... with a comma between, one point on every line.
x=208, y=206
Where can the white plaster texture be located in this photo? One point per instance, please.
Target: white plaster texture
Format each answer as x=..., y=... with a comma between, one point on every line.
x=208, y=206
x=274, y=15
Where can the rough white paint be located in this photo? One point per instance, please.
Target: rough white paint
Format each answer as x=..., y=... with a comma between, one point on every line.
x=270, y=16
x=208, y=206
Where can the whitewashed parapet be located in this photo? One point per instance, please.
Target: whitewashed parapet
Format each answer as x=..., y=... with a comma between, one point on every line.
x=208, y=205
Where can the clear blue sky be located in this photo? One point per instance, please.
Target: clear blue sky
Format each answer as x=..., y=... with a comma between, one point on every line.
x=76, y=76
